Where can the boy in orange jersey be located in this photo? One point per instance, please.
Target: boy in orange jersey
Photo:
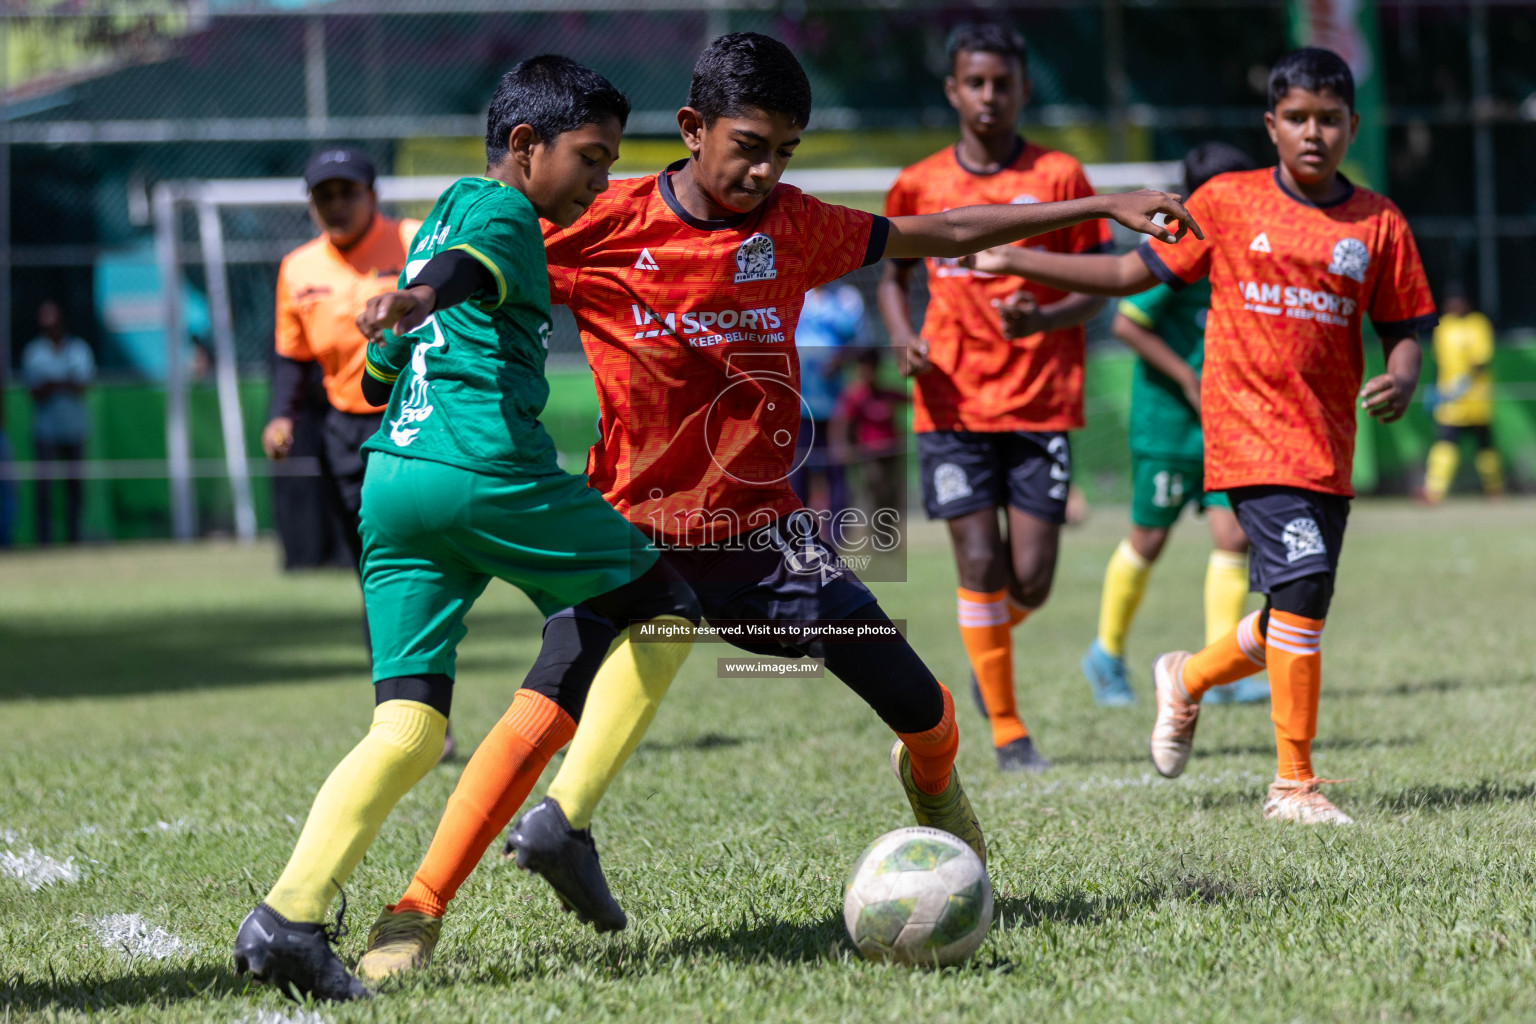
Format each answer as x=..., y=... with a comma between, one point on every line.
x=992, y=408
x=1297, y=256
x=687, y=287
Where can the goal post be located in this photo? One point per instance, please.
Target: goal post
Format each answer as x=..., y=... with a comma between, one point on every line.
x=210, y=199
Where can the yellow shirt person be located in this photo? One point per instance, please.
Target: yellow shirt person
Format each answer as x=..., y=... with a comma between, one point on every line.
x=1463, y=357
x=1463, y=352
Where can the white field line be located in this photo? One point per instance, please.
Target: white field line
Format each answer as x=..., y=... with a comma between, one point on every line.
x=37, y=869
x=135, y=938
x=1145, y=779
x=277, y=1017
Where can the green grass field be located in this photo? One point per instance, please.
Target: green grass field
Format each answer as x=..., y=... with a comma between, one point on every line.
x=169, y=711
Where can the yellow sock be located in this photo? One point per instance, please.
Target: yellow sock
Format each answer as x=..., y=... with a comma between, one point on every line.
x=1124, y=582
x=1490, y=469
x=402, y=746
x=1440, y=469
x=1226, y=589
x=623, y=700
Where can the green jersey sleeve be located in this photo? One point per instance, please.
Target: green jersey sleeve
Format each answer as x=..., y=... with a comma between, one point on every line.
x=385, y=359
x=498, y=230
x=1146, y=309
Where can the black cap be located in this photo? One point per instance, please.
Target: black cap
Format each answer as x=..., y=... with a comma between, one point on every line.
x=346, y=162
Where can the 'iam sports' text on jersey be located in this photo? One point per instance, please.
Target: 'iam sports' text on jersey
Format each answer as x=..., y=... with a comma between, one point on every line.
x=981, y=380
x=471, y=381
x=689, y=328
x=1290, y=284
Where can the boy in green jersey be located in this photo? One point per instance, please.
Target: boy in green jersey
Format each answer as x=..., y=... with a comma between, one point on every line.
x=463, y=487
x=1166, y=329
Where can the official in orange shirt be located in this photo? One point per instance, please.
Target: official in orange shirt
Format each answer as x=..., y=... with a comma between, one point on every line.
x=992, y=403
x=321, y=287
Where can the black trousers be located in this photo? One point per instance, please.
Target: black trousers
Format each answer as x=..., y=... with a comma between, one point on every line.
x=57, y=456
x=341, y=470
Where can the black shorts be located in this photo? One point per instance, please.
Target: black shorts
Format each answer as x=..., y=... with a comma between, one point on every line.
x=341, y=455
x=776, y=572
x=1446, y=432
x=1293, y=532
x=965, y=471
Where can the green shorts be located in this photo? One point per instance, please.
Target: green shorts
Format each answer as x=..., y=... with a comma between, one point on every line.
x=1160, y=488
x=434, y=535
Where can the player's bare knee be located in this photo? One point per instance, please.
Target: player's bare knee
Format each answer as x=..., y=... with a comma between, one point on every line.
x=1148, y=541
x=982, y=566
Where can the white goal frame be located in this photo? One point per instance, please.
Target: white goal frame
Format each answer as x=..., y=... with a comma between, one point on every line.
x=208, y=198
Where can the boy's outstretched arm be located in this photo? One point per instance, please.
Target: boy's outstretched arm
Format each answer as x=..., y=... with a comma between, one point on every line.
x=970, y=229
x=1085, y=273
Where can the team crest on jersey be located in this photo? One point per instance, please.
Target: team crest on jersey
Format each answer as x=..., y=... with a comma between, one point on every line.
x=950, y=484
x=754, y=259
x=1023, y=200
x=1350, y=258
x=1303, y=539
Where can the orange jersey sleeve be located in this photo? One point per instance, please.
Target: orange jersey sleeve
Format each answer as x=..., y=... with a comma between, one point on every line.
x=838, y=239
x=1290, y=285
x=1401, y=304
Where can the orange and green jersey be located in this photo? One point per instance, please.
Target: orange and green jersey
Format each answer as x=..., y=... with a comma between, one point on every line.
x=689, y=328
x=1290, y=285
x=469, y=383
x=981, y=380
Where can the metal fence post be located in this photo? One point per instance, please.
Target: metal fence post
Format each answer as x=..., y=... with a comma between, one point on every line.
x=178, y=435
x=226, y=375
x=1482, y=163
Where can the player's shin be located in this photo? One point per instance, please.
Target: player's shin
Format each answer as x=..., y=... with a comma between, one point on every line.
x=1440, y=469
x=402, y=746
x=1295, y=674
x=623, y=701
x=496, y=781
x=1226, y=590
x=1125, y=581
x=1490, y=470
x=1238, y=654
x=933, y=749
x=984, y=630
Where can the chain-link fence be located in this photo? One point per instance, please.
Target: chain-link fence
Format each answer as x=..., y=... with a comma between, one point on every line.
x=106, y=100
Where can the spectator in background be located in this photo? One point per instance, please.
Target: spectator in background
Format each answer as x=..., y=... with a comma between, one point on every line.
x=865, y=433
x=1463, y=398
x=7, y=483
x=57, y=368
x=831, y=319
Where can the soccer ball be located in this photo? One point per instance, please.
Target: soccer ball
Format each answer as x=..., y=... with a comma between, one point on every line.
x=918, y=896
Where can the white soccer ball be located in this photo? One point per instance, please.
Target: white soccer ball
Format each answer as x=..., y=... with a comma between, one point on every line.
x=918, y=896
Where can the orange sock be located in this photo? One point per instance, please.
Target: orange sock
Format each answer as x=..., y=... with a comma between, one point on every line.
x=496, y=781
x=1295, y=679
x=1235, y=656
x=1017, y=613
x=984, y=631
x=933, y=750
